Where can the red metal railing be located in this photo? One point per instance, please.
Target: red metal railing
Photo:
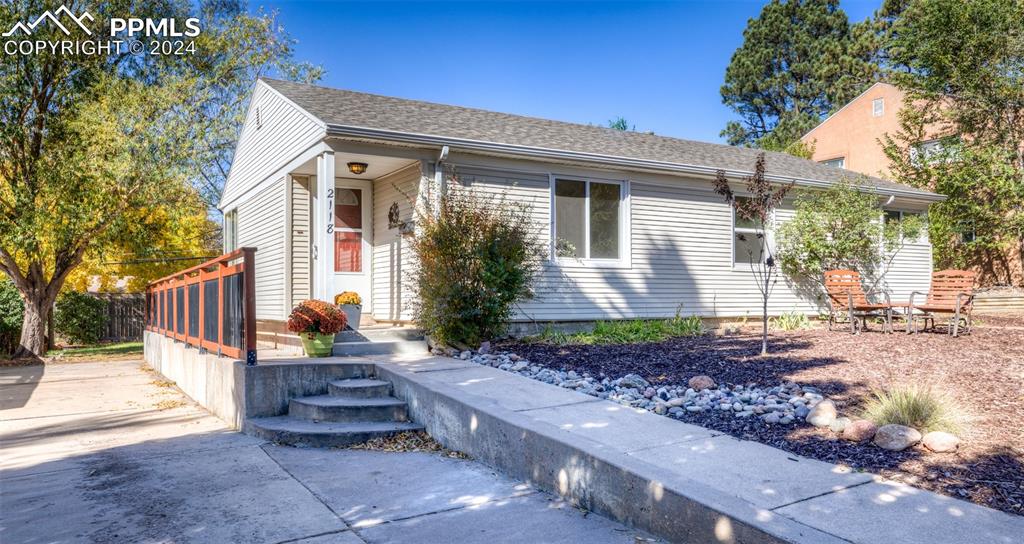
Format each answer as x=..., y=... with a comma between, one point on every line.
x=211, y=306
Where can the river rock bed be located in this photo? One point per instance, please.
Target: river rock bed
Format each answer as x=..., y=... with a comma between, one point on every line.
x=784, y=404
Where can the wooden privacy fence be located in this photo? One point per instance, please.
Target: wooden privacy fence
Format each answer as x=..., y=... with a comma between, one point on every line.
x=126, y=314
x=211, y=306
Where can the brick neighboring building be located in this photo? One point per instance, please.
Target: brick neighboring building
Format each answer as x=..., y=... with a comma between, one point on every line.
x=850, y=139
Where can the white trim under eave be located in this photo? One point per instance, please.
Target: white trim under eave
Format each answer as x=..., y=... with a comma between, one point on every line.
x=629, y=163
x=311, y=152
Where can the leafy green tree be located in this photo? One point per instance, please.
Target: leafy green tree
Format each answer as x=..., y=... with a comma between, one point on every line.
x=798, y=61
x=840, y=228
x=87, y=141
x=962, y=67
x=620, y=123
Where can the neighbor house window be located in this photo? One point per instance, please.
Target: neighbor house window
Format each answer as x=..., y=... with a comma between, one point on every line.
x=588, y=219
x=835, y=163
x=230, y=231
x=878, y=107
x=930, y=151
x=967, y=233
x=746, y=242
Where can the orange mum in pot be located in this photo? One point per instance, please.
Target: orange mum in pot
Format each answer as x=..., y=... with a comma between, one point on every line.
x=317, y=316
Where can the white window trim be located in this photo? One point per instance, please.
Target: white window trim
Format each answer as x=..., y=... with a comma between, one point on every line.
x=625, y=259
x=881, y=111
x=230, y=230
x=768, y=233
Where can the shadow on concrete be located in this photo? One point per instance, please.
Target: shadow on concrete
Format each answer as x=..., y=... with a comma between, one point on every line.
x=17, y=383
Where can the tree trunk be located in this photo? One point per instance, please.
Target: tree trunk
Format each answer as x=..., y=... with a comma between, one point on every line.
x=33, y=329
x=764, y=327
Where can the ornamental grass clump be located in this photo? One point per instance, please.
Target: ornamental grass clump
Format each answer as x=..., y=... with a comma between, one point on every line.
x=478, y=256
x=922, y=408
x=791, y=321
x=316, y=317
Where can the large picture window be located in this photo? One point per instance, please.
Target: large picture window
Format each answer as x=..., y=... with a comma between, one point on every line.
x=588, y=219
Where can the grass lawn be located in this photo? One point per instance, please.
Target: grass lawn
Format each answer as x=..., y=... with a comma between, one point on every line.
x=99, y=351
x=982, y=372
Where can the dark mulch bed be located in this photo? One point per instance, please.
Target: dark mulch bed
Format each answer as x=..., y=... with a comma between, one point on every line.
x=984, y=372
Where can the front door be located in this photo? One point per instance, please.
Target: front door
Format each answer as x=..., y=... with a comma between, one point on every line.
x=353, y=231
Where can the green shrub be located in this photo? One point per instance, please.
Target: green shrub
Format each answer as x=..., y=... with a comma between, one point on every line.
x=687, y=326
x=477, y=257
x=838, y=228
x=632, y=331
x=11, y=311
x=80, y=318
x=919, y=407
x=791, y=321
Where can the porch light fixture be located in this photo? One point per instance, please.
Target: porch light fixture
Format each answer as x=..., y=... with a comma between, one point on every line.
x=357, y=167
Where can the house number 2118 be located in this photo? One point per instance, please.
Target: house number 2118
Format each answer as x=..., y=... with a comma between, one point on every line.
x=330, y=210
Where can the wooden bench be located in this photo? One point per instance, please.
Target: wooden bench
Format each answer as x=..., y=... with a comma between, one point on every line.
x=951, y=293
x=847, y=299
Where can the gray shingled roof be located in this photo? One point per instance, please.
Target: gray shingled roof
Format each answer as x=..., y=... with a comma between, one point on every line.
x=355, y=109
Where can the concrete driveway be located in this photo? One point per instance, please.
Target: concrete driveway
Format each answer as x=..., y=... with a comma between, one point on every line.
x=108, y=452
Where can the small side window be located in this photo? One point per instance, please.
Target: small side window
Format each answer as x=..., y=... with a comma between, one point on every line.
x=230, y=231
x=878, y=107
x=835, y=163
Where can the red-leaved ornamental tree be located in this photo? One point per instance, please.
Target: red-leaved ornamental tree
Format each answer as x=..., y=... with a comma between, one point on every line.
x=756, y=207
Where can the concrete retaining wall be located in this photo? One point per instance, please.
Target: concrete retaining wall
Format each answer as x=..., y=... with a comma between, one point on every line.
x=608, y=482
x=234, y=391
x=216, y=383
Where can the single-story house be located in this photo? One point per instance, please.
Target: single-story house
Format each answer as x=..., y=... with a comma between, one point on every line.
x=324, y=183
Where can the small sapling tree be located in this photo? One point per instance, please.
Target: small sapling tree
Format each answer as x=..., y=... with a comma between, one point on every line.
x=756, y=208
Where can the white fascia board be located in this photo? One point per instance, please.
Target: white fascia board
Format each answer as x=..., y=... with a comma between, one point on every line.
x=624, y=162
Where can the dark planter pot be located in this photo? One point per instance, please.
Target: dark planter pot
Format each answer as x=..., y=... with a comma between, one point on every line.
x=354, y=312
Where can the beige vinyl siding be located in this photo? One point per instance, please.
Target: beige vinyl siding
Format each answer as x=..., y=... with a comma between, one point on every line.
x=681, y=237
x=392, y=260
x=300, y=246
x=261, y=225
x=910, y=270
x=283, y=132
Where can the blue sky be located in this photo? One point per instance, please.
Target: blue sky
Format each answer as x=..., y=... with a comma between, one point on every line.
x=659, y=65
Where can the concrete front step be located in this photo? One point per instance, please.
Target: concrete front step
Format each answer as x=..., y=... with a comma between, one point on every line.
x=389, y=334
x=349, y=349
x=302, y=432
x=362, y=388
x=348, y=410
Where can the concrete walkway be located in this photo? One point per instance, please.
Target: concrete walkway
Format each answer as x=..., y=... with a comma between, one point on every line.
x=612, y=458
x=105, y=452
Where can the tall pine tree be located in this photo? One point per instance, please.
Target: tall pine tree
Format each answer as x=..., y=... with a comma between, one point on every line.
x=799, y=61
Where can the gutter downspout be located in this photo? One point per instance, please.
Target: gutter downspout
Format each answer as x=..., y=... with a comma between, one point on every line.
x=439, y=179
